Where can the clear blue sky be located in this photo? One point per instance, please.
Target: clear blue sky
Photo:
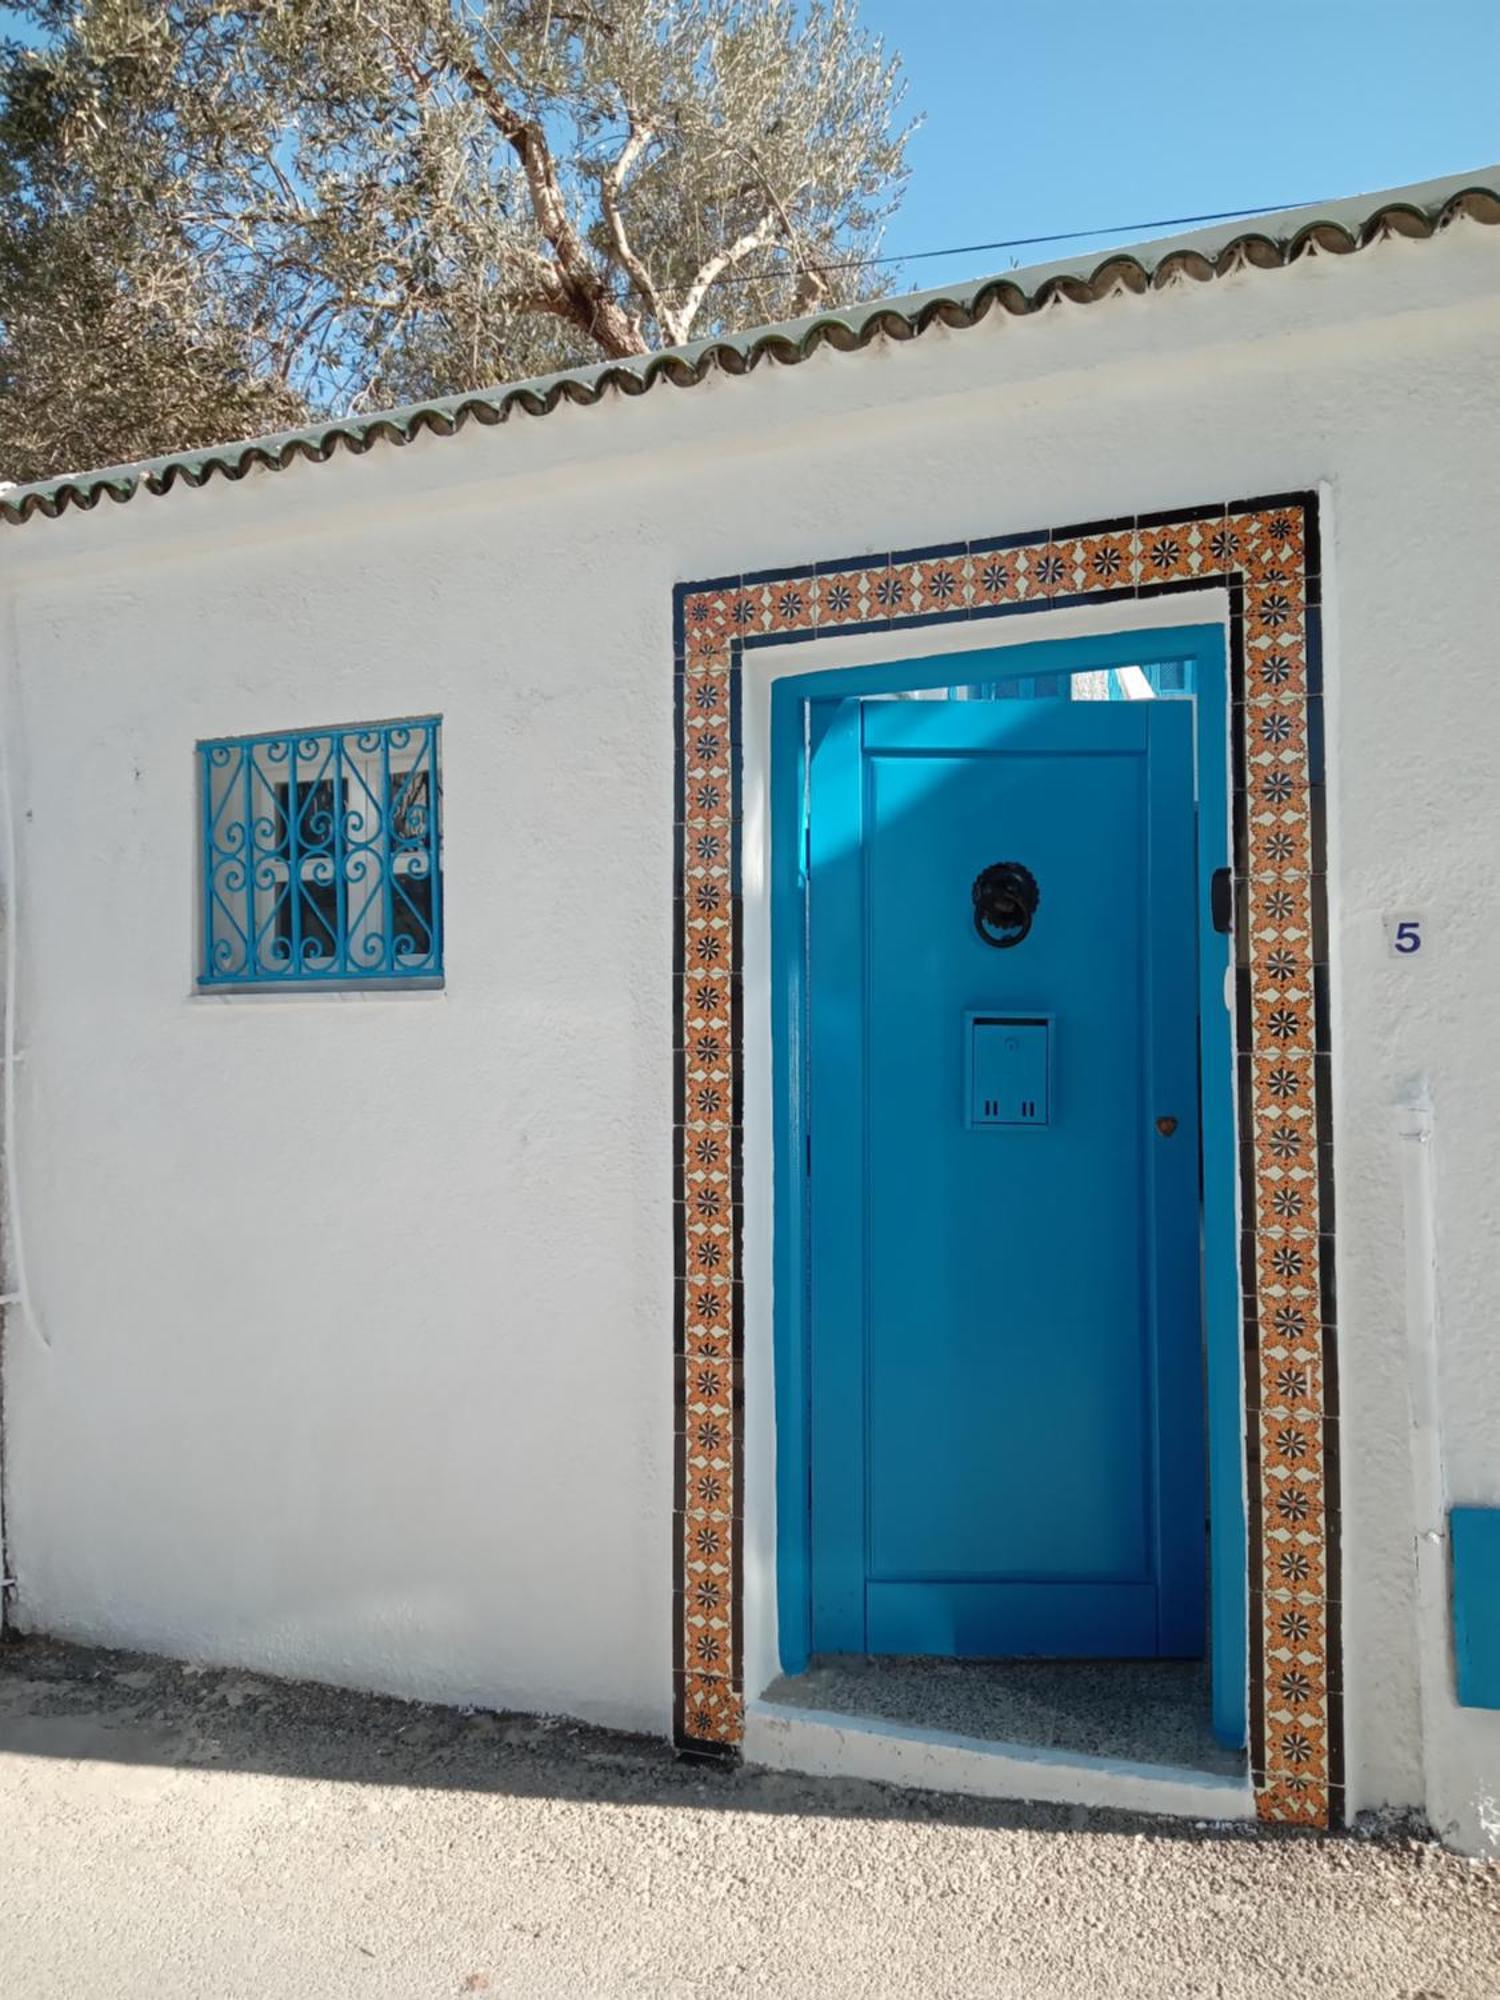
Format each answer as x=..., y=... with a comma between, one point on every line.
x=1046, y=115
x=1073, y=114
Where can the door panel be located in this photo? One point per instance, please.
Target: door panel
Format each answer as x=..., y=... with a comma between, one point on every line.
x=1004, y=1315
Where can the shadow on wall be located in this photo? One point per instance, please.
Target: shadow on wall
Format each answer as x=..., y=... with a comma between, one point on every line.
x=80, y=1704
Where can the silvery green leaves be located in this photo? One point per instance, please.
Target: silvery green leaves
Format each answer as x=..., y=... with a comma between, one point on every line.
x=296, y=207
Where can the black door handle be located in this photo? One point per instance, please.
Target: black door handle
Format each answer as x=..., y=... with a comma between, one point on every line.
x=1221, y=900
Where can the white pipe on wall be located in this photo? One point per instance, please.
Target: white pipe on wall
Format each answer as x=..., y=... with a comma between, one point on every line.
x=1414, y=1126
x=20, y=1291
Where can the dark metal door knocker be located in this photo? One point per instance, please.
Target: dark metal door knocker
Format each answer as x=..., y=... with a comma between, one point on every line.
x=1005, y=901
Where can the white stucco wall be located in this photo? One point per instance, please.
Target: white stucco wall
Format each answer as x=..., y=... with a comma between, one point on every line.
x=411, y=1429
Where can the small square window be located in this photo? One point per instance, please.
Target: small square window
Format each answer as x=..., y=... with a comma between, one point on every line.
x=322, y=857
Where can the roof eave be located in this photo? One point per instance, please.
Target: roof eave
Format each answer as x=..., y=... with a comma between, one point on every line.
x=1338, y=229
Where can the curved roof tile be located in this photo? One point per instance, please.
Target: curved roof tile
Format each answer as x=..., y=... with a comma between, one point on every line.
x=858, y=327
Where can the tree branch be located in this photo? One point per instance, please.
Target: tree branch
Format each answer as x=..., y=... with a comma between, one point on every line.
x=812, y=284
x=590, y=305
x=764, y=232
x=611, y=182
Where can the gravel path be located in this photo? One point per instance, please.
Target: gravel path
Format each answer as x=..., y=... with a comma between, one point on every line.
x=189, y=1834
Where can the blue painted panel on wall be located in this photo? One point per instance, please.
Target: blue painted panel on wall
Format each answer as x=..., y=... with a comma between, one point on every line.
x=1475, y=1539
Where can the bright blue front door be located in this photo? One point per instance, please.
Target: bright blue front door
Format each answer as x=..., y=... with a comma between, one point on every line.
x=1006, y=1413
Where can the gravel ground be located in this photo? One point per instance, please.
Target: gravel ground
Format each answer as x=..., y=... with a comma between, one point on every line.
x=196, y=1834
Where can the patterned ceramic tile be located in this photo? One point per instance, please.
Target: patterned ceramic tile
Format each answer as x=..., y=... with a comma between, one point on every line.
x=1289, y=1380
x=711, y=1713
x=936, y=586
x=788, y=607
x=1103, y=562
x=1049, y=571
x=997, y=577
x=890, y=591
x=1293, y=1799
x=843, y=598
x=1277, y=671
x=1266, y=552
x=1290, y=1442
x=1169, y=554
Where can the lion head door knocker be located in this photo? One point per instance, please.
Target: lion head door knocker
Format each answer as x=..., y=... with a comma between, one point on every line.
x=1005, y=901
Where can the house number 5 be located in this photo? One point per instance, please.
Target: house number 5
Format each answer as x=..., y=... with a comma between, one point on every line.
x=1406, y=935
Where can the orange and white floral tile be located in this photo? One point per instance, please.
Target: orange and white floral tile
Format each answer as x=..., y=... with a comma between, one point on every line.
x=711, y=1710
x=999, y=577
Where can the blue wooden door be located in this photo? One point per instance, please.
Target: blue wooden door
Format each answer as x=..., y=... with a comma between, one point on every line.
x=1006, y=1420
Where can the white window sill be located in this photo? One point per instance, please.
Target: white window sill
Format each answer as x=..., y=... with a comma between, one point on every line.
x=321, y=995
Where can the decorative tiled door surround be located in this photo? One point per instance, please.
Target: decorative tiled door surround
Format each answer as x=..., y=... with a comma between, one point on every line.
x=1265, y=553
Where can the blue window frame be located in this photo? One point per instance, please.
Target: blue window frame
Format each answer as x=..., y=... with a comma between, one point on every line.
x=322, y=857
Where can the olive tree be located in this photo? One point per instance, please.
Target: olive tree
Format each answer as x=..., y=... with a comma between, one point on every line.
x=217, y=212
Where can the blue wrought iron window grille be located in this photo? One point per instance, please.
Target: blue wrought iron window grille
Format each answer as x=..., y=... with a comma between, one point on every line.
x=322, y=857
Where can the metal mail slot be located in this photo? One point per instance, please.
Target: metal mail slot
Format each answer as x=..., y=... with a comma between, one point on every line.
x=1009, y=1069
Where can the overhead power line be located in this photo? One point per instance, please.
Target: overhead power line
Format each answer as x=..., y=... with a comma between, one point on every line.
x=1015, y=242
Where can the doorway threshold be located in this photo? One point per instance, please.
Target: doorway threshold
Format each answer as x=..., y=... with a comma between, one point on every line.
x=1135, y=1735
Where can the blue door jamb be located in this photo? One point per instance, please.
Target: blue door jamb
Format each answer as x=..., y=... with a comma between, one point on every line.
x=1229, y=1579
x=803, y=705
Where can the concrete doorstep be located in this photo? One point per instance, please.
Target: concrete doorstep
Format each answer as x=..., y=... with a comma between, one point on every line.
x=1134, y=1735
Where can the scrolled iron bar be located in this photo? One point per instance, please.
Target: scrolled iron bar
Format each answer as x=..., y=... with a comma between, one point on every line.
x=292, y=814
x=267, y=834
x=365, y=850
x=388, y=873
